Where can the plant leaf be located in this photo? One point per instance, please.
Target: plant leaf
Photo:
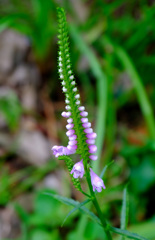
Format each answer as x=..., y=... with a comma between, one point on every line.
x=74, y=209
x=105, y=168
x=125, y=211
x=71, y=202
x=126, y=233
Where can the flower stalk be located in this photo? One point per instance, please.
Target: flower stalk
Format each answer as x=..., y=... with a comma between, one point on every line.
x=79, y=132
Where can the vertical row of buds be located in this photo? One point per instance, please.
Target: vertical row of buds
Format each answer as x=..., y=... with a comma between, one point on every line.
x=79, y=131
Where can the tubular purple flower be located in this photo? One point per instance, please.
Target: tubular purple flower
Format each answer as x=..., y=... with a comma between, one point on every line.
x=86, y=125
x=92, y=148
x=77, y=96
x=84, y=120
x=77, y=102
x=70, y=120
x=74, y=147
x=78, y=170
x=88, y=130
x=84, y=114
x=68, y=107
x=96, y=182
x=69, y=126
x=68, y=114
x=75, y=89
x=82, y=108
x=90, y=141
x=70, y=132
x=63, y=114
x=93, y=157
x=60, y=150
x=72, y=142
x=91, y=135
x=73, y=137
x=64, y=89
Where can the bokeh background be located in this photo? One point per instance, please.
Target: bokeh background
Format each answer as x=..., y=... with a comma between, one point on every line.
x=113, y=57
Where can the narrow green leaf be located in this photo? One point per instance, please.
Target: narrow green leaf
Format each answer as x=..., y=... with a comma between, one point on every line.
x=74, y=209
x=125, y=211
x=71, y=202
x=126, y=233
x=105, y=168
x=145, y=229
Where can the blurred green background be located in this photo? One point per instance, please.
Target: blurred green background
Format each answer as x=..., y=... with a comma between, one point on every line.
x=113, y=56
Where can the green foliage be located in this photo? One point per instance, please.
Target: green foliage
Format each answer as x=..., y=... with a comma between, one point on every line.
x=11, y=109
x=5, y=188
x=47, y=215
x=118, y=38
x=34, y=19
x=125, y=211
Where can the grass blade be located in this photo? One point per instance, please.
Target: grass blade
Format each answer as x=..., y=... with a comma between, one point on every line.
x=105, y=168
x=127, y=233
x=125, y=211
x=137, y=83
x=74, y=209
x=71, y=202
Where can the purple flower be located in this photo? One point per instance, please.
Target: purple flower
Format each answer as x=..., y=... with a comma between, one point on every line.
x=70, y=132
x=84, y=114
x=90, y=141
x=96, y=182
x=69, y=126
x=88, y=130
x=72, y=147
x=91, y=135
x=73, y=137
x=86, y=125
x=93, y=157
x=82, y=108
x=92, y=148
x=84, y=120
x=60, y=151
x=66, y=114
x=78, y=169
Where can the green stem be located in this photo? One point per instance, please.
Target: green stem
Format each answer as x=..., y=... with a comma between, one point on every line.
x=98, y=209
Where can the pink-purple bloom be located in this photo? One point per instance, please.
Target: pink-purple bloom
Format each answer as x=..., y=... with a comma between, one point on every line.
x=92, y=148
x=72, y=147
x=86, y=125
x=84, y=120
x=96, y=182
x=78, y=170
x=83, y=114
x=69, y=126
x=88, y=130
x=60, y=151
x=93, y=157
x=91, y=135
x=90, y=141
x=70, y=132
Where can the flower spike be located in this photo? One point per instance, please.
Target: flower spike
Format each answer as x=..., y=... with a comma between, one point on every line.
x=81, y=138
